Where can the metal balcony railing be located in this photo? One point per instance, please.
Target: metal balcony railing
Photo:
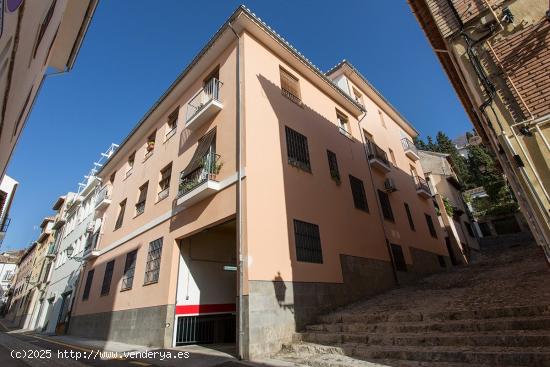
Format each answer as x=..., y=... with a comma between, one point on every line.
x=421, y=184
x=210, y=92
x=194, y=179
x=140, y=207
x=4, y=226
x=103, y=194
x=375, y=152
x=409, y=145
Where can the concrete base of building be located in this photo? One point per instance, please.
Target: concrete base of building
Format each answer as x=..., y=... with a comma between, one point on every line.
x=149, y=326
x=278, y=309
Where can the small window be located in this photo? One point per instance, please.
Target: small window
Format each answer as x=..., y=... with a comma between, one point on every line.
x=131, y=161
x=112, y=178
x=469, y=228
x=290, y=86
x=297, y=149
x=343, y=122
x=392, y=156
x=382, y=121
x=88, y=286
x=431, y=227
x=358, y=97
x=398, y=257
x=164, y=183
x=172, y=124
x=43, y=27
x=409, y=217
x=142, y=198
x=129, y=269
x=333, y=166
x=308, y=242
x=107, y=278
x=120, y=217
x=152, y=268
x=358, y=192
x=386, y=205
x=150, y=146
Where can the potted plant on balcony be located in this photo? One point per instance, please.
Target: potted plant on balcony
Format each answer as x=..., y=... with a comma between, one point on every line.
x=150, y=145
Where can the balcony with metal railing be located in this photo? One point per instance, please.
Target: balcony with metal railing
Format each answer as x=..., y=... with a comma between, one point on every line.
x=51, y=250
x=103, y=198
x=200, y=183
x=410, y=149
x=90, y=250
x=204, y=105
x=422, y=187
x=378, y=157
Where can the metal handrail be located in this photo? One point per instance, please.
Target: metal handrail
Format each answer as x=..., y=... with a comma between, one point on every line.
x=194, y=179
x=409, y=145
x=422, y=184
x=210, y=92
x=103, y=194
x=375, y=152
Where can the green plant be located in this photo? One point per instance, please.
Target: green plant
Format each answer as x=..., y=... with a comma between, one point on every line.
x=449, y=208
x=217, y=167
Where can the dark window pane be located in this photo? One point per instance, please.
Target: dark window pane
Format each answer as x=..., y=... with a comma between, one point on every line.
x=431, y=227
x=358, y=192
x=129, y=269
x=333, y=166
x=386, y=205
x=398, y=257
x=409, y=216
x=308, y=242
x=106, y=285
x=297, y=149
x=88, y=285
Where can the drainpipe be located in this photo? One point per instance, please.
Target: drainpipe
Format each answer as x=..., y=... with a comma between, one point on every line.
x=392, y=260
x=240, y=273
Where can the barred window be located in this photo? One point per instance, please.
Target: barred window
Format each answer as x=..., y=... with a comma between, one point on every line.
x=358, y=192
x=107, y=277
x=308, y=242
x=290, y=86
x=431, y=227
x=129, y=269
x=120, y=217
x=333, y=166
x=297, y=149
x=88, y=286
x=386, y=205
x=398, y=257
x=164, y=183
x=140, y=205
x=409, y=217
x=152, y=268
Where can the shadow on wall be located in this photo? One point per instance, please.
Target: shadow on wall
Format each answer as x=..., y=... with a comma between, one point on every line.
x=362, y=274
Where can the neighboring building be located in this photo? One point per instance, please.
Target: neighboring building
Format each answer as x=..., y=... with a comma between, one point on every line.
x=22, y=293
x=34, y=36
x=41, y=272
x=454, y=216
x=74, y=225
x=8, y=268
x=496, y=58
x=8, y=186
x=326, y=205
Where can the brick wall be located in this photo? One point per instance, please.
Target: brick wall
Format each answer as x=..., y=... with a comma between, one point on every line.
x=525, y=57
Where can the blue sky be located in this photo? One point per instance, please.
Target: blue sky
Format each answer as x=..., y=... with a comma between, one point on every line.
x=135, y=49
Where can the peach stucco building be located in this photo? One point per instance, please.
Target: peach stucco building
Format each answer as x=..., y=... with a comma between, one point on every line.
x=256, y=193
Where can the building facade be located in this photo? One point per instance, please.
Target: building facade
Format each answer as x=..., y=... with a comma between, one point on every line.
x=453, y=213
x=8, y=187
x=20, y=301
x=8, y=268
x=34, y=36
x=257, y=193
x=496, y=57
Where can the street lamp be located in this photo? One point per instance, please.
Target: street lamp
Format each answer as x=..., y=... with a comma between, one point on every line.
x=70, y=250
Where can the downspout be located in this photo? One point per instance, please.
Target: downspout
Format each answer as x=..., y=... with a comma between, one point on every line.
x=240, y=273
x=392, y=260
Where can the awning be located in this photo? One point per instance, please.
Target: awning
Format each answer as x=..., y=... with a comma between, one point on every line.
x=203, y=148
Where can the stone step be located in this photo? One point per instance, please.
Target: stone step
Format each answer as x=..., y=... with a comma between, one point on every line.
x=504, y=338
x=467, y=325
x=494, y=356
x=402, y=363
x=390, y=316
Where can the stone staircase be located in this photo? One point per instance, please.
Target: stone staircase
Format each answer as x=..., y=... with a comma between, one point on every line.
x=495, y=312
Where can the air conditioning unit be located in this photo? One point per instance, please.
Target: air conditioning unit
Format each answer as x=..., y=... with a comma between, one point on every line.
x=389, y=185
